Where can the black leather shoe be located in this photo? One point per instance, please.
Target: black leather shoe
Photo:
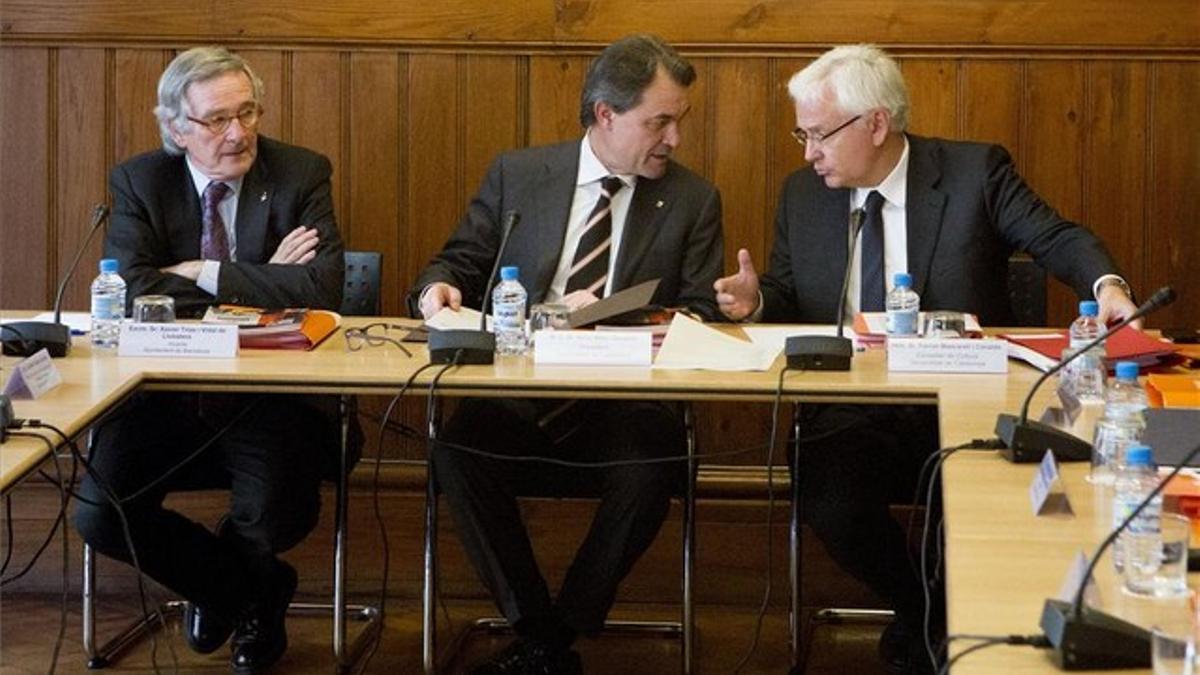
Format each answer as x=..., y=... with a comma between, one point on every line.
x=203, y=631
x=261, y=638
x=531, y=657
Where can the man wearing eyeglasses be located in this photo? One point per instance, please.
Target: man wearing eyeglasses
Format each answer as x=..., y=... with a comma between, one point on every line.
x=949, y=213
x=219, y=215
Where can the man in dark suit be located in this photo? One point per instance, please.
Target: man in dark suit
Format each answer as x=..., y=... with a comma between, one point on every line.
x=597, y=215
x=949, y=213
x=219, y=215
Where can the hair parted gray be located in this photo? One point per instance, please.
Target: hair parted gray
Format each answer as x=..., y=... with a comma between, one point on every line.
x=623, y=71
x=860, y=78
x=195, y=65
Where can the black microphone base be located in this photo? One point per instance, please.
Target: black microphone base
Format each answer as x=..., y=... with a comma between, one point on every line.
x=26, y=338
x=818, y=352
x=1028, y=441
x=473, y=347
x=1093, y=640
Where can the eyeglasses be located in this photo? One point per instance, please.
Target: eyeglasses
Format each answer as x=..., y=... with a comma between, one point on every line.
x=369, y=336
x=804, y=137
x=247, y=117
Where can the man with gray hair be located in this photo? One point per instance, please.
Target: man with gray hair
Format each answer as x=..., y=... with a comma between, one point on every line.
x=950, y=214
x=219, y=215
x=598, y=214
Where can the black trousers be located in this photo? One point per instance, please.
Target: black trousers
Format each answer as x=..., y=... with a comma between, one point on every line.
x=269, y=459
x=634, y=499
x=855, y=461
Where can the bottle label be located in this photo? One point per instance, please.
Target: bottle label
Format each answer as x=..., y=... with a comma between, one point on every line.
x=902, y=322
x=108, y=306
x=509, y=316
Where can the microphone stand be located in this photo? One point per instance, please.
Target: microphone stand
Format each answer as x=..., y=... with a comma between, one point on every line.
x=473, y=346
x=822, y=352
x=1090, y=639
x=1027, y=441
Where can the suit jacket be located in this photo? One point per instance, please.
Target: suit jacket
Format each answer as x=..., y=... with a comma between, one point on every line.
x=156, y=222
x=967, y=211
x=672, y=231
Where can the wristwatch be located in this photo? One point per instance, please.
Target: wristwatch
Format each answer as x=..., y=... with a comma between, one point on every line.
x=1115, y=281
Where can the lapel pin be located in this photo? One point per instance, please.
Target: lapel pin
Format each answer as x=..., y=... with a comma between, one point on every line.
x=262, y=197
x=658, y=204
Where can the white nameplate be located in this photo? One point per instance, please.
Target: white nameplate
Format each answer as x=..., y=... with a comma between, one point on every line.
x=188, y=340
x=591, y=348
x=947, y=355
x=1070, y=585
x=1046, y=493
x=33, y=377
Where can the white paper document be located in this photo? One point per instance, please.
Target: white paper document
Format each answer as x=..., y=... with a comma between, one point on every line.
x=690, y=345
x=78, y=322
x=464, y=319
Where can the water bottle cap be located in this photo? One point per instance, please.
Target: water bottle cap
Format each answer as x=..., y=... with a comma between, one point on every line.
x=1137, y=455
x=902, y=279
x=1127, y=370
x=108, y=266
x=508, y=273
x=1089, y=308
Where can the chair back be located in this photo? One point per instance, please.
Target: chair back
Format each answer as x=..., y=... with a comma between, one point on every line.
x=360, y=297
x=1027, y=291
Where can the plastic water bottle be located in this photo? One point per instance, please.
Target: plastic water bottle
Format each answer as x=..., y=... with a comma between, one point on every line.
x=108, y=305
x=1137, y=551
x=508, y=313
x=1124, y=421
x=903, y=306
x=1086, y=373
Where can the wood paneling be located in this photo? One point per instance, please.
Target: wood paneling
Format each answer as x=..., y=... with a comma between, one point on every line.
x=317, y=94
x=26, y=263
x=738, y=134
x=990, y=99
x=933, y=96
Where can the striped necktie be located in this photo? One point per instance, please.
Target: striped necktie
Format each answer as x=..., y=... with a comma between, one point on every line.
x=589, y=269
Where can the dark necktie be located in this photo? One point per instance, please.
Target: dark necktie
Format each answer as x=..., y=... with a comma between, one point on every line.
x=589, y=269
x=214, y=242
x=873, y=288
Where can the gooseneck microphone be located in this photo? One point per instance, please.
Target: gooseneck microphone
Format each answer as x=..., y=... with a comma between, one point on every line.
x=1026, y=441
x=1084, y=638
x=476, y=346
x=822, y=352
x=26, y=338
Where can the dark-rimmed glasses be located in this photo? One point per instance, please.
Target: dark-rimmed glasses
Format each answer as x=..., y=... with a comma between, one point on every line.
x=370, y=335
x=804, y=137
x=217, y=124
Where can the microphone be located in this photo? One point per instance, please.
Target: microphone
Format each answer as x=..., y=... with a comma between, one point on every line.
x=476, y=346
x=822, y=352
x=1027, y=441
x=26, y=338
x=1084, y=638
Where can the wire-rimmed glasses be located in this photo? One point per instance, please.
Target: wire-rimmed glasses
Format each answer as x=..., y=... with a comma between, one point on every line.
x=373, y=335
x=817, y=138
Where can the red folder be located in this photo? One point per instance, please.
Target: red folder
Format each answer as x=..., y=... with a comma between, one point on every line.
x=1127, y=344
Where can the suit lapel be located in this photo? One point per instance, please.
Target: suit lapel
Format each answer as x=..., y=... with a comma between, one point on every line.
x=650, y=204
x=828, y=251
x=254, y=208
x=545, y=226
x=924, y=209
x=184, y=209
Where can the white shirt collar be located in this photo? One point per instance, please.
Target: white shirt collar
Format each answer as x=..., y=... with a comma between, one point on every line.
x=592, y=170
x=201, y=180
x=894, y=188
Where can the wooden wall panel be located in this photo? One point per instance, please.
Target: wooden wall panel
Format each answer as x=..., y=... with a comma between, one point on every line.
x=81, y=161
x=783, y=154
x=27, y=267
x=1053, y=159
x=1174, y=191
x=1117, y=122
x=135, y=84
x=270, y=66
x=694, y=142
x=372, y=219
x=933, y=96
x=555, y=85
x=738, y=134
x=317, y=92
x=990, y=97
x=494, y=117
x=432, y=205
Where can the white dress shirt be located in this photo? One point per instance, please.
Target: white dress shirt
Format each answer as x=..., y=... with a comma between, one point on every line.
x=227, y=207
x=894, y=189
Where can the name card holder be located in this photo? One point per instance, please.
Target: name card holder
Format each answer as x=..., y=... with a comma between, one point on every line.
x=178, y=340
x=33, y=377
x=1047, y=493
x=947, y=355
x=591, y=348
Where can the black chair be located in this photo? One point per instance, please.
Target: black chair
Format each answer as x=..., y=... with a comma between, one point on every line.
x=684, y=628
x=361, y=297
